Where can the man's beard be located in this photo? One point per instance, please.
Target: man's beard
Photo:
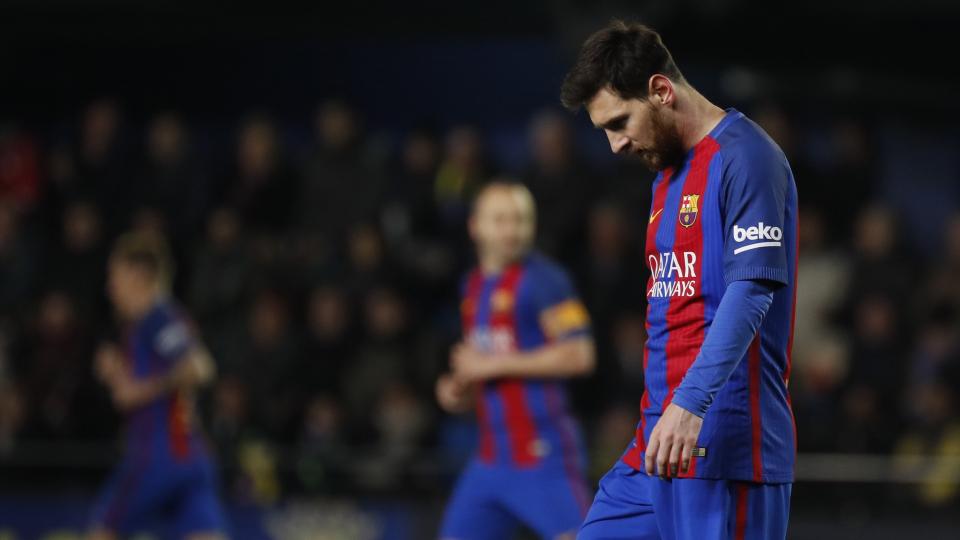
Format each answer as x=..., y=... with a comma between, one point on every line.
x=667, y=149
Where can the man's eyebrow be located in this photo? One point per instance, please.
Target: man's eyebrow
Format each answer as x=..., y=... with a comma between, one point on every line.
x=611, y=122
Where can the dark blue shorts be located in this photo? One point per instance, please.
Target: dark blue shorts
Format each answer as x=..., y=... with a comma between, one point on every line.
x=144, y=492
x=629, y=504
x=492, y=501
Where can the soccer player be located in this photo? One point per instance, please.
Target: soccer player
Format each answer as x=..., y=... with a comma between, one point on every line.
x=525, y=332
x=166, y=472
x=714, y=451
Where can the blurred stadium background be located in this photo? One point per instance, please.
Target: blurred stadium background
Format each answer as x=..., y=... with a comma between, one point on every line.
x=312, y=167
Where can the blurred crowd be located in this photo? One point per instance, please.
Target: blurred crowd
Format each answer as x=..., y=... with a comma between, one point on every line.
x=322, y=272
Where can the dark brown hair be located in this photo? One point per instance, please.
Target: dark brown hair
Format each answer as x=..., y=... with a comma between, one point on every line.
x=623, y=56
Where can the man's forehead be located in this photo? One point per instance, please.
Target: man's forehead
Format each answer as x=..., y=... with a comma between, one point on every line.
x=604, y=106
x=503, y=198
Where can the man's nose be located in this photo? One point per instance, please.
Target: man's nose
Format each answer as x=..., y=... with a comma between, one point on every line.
x=618, y=143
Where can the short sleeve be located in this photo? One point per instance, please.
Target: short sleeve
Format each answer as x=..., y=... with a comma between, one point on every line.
x=172, y=340
x=561, y=312
x=753, y=200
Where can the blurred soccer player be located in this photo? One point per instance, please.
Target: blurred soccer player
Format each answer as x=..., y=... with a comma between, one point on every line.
x=716, y=427
x=525, y=331
x=166, y=473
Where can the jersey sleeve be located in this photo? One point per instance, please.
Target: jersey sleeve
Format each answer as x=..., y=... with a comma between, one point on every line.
x=753, y=204
x=172, y=340
x=739, y=315
x=562, y=315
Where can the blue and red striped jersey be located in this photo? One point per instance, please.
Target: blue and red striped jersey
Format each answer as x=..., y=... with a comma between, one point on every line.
x=528, y=305
x=164, y=428
x=728, y=213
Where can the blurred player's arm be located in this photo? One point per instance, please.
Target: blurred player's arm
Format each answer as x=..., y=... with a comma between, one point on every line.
x=193, y=369
x=454, y=395
x=570, y=351
x=571, y=357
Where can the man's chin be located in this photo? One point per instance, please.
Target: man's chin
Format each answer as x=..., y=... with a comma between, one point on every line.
x=516, y=254
x=652, y=162
x=657, y=163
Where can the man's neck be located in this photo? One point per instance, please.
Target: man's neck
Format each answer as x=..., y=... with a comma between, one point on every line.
x=697, y=118
x=491, y=266
x=145, y=306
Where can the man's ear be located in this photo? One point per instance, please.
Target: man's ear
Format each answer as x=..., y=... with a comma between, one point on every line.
x=660, y=89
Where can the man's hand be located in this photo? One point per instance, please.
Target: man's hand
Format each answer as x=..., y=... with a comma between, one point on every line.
x=454, y=395
x=108, y=363
x=130, y=393
x=672, y=441
x=470, y=365
x=196, y=368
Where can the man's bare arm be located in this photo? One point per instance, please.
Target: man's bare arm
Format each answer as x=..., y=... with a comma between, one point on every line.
x=193, y=370
x=454, y=395
x=563, y=359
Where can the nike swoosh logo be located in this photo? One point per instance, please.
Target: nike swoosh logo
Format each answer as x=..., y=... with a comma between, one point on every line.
x=654, y=215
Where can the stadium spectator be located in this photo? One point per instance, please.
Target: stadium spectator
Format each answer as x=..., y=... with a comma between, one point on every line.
x=340, y=183
x=76, y=260
x=876, y=371
x=102, y=165
x=400, y=422
x=329, y=344
x=930, y=448
x=613, y=262
x=463, y=169
x=171, y=182
x=18, y=262
x=560, y=184
x=220, y=283
x=53, y=369
x=384, y=355
x=826, y=276
x=267, y=365
x=21, y=181
x=323, y=454
x=261, y=186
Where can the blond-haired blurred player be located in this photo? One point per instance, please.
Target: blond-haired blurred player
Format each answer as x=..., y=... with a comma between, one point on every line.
x=166, y=472
x=525, y=332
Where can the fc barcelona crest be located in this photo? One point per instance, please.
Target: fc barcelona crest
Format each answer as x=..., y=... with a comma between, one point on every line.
x=689, y=210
